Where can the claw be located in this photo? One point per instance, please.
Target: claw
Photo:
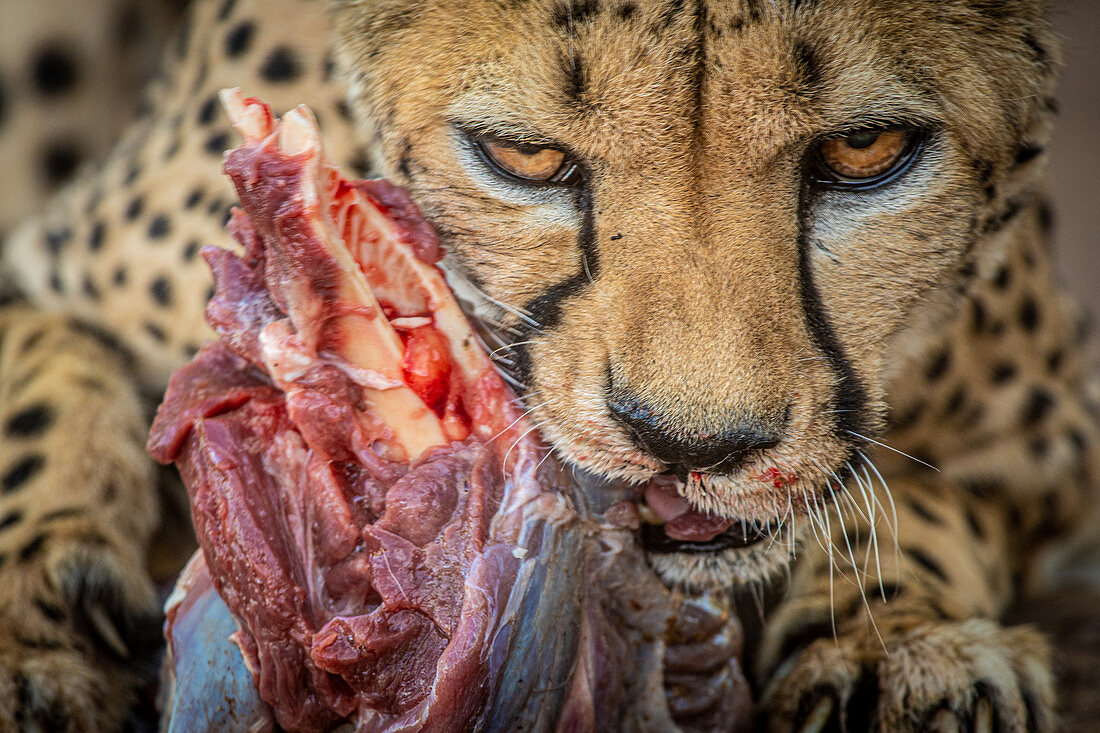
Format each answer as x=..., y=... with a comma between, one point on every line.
x=945, y=721
x=983, y=716
x=106, y=629
x=819, y=716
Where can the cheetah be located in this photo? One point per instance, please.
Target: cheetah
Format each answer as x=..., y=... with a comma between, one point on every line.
x=787, y=260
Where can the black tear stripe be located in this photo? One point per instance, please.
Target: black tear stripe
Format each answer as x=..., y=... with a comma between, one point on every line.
x=850, y=399
x=545, y=310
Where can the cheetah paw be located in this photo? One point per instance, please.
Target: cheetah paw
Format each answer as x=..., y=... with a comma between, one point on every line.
x=79, y=632
x=974, y=676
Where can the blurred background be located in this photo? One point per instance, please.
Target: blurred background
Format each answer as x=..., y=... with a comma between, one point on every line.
x=1074, y=172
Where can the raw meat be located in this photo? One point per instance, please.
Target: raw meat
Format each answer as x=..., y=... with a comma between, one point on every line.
x=395, y=545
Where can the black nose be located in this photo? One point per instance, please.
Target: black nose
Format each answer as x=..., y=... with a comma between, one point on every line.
x=718, y=451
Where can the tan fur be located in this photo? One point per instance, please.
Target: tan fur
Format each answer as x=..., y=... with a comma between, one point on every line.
x=693, y=121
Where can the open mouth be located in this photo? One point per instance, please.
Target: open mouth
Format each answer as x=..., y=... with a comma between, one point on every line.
x=655, y=539
x=670, y=524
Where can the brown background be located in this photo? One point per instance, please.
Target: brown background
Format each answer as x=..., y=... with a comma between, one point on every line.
x=1074, y=170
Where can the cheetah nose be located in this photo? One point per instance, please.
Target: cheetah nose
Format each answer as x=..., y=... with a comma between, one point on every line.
x=712, y=451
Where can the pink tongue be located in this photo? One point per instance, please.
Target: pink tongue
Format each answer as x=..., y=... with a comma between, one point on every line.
x=682, y=522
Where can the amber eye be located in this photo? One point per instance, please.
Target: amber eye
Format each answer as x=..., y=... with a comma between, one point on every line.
x=867, y=157
x=529, y=162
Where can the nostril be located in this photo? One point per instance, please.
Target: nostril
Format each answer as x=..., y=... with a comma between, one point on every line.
x=712, y=451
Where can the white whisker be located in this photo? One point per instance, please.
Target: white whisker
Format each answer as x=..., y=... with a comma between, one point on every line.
x=891, y=448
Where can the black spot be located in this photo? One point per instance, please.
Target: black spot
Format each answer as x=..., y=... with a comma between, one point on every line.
x=32, y=548
x=1038, y=446
x=132, y=174
x=1029, y=314
x=32, y=341
x=328, y=67
x=127, y=24
x=998, y=222
x=924, y=512
x=189, y=350
x=343, y=110
x=921, y=558
x=56, y=239
x=155, y=331
x=173, y=149
x=56, y=283
x=360, y=164
x=90, y=289
x=976, y=528
x=1026, y=153
x=226, y=9
x=96, y=236
x=30, y=421
x=1028, y=256
x=103, y=337
x=575, y=79
x=53, y=71
x=853, y=538
x=134, y=208
x=909, y=417
x=626, y=11
x=937, y=365
x=1038, y=405
x=159, y=226
x=1037, y=50
x=884, y=592
x=1002, y=278
x=1046, y=217
x=11, y=518
x=23, y=471
x=59, y=161
x=1003, y=372
x=161, y=290
x=978, y=315
x=954, y=402
x=191, y=250
x=281, y=65
x=668, y=15
x=217, y=143
x=973, y=416
x=573, y=13
x=968, y=270
x=1077, y=438
x=193, y=199
x=120, y=276
x=208, y=111
x=404, y=161
x=239, y=39
x=809, y=68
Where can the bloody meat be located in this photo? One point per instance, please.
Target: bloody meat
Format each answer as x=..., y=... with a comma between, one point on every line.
x=346, y=445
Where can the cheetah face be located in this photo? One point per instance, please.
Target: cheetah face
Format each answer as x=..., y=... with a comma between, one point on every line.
x=693, y=230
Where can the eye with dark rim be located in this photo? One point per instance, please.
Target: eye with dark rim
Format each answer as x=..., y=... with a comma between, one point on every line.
x=866, y=158
x=531, y=164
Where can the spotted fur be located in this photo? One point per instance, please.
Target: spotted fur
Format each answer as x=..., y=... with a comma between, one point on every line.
x=696, y=275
